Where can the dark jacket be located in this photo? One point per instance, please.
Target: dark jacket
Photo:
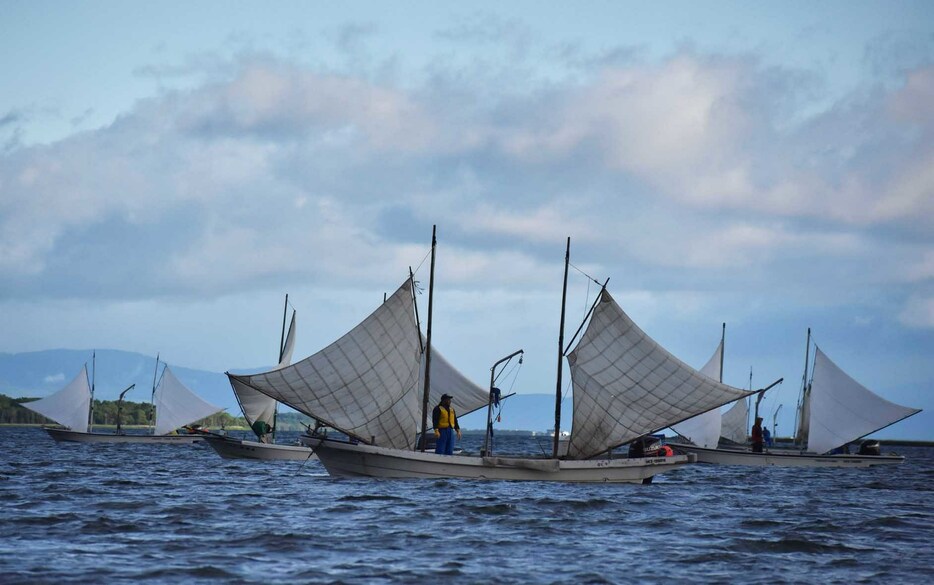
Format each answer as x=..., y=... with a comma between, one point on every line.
x=756, y=434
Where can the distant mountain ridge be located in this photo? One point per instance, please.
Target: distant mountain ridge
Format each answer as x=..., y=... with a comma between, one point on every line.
x=41, y=373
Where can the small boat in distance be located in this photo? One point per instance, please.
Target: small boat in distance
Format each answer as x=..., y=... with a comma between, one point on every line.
x=174, y=403
x=834, y=411
x=260, y=412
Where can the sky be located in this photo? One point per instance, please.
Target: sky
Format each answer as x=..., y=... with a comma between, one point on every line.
x=169, y=170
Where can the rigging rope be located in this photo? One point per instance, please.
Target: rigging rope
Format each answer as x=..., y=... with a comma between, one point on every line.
x=597, y=282
x=427, y=254
x=587, y=303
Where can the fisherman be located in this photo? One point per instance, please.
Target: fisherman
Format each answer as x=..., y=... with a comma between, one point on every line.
x=444, y=421
x=767, y=437
x=262, y=430
x=757, y=436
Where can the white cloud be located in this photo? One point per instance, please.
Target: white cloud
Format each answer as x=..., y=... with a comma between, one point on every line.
x=54, y=378
x=282, y=173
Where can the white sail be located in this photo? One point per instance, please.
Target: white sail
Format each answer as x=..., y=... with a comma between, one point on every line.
x=734, y=422
x=70, y=406
x=365, y=383
x=627, y=385
x=286, y=357
x=176, y=405
x=704, y=429
x=842, y=410
x=446, y=379
x=255, y=405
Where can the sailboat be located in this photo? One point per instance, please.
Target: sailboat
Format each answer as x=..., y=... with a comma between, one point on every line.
x=704, y=429
x=71, y=407
x=260, y=412
x=365, y=385
x=835, y=410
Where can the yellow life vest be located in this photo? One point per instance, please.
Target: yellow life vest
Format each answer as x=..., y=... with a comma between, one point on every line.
x=447, y=418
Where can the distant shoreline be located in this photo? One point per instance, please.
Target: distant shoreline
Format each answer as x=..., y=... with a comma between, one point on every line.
x=887, y=442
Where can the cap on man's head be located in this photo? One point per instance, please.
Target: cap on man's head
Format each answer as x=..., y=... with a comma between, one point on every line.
x=446, y=396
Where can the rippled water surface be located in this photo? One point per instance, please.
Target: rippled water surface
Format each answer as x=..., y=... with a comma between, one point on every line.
x=75, y=513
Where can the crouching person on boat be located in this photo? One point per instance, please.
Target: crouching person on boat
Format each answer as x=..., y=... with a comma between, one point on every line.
x=262, y=430
x=444, y=420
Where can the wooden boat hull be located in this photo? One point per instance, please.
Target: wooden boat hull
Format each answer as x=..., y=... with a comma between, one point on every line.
x=784, y=458
x=356, y=460
x=65, y=435
x=230, y=448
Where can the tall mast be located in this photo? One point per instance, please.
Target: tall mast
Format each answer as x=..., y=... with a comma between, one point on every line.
x=564, y=297
x=799, y=411
x=431, y=291
x=748, y=403
x=722, y=350
x=285, y=312
x=152, y=398
x=275, y=411
x=93, y=378
x=807, y=357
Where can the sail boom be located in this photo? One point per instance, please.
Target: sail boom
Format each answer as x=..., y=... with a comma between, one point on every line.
x=917, y=410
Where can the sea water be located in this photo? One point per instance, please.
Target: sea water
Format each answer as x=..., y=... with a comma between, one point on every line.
x=99, y=513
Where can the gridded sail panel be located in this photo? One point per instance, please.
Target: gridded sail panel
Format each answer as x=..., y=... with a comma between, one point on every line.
x=255, y=405
x=176, y=405
x=364, y=383
x=735, y=421
x=627, y=385
x=704, y=429
x=70, y=406
x=843, y=410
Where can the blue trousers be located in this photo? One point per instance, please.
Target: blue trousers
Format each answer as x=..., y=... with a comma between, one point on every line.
x=445, y=444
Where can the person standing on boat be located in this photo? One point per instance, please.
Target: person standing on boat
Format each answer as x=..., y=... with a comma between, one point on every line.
x=444, y=420
x=757, y=436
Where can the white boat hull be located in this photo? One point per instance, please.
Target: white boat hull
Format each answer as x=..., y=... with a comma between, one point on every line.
x=356, y=460
x=785, y=458
x=65, y=435
x=230, y=448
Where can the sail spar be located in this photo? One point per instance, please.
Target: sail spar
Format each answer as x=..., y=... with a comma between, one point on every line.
x=69, y=406
x=843, y=410
x=626, y=385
